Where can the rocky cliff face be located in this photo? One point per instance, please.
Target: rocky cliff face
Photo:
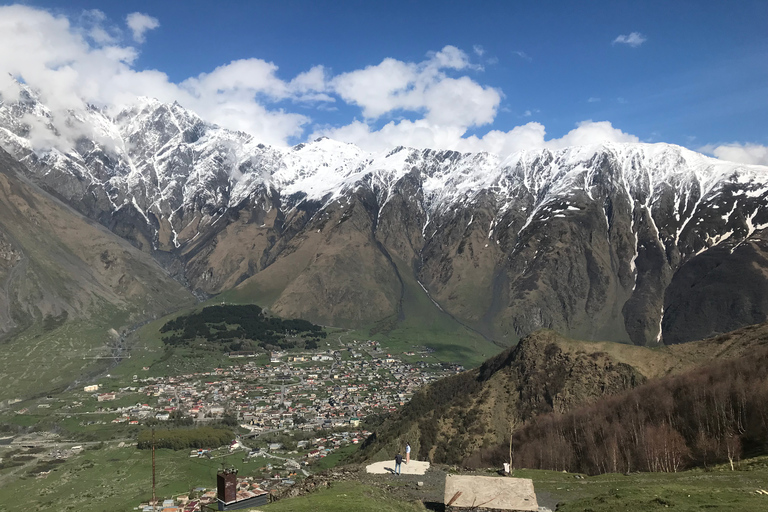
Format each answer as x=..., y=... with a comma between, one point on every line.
x=57, y=265
x=641, y=243
x=455, y=417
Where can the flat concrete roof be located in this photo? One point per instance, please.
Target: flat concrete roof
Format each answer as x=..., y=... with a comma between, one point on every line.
x=415, y=467
x=483, y=492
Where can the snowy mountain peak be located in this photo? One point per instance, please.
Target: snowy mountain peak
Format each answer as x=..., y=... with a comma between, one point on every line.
x=586, y=239
x=161, y=157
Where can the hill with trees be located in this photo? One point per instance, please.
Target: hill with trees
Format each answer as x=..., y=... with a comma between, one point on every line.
x=241, y=327
x=565, y=403
x=705, y=416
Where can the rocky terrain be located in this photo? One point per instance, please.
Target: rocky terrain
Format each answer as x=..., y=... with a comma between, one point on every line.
x=56, y=265
x=640, y=243
x=459, y=416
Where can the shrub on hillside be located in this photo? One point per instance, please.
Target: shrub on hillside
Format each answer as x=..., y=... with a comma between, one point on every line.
x=185, y=438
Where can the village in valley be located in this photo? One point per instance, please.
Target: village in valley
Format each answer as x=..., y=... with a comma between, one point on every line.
x=288, y=411
x=306, y=391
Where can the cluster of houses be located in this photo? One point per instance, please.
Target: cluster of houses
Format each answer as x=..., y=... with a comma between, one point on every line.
x=306, y=391
x=325, y=390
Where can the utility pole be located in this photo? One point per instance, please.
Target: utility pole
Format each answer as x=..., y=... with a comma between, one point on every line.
x=154, y=498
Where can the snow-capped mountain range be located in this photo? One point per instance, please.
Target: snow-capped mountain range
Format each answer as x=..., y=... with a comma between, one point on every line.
x=629, y=242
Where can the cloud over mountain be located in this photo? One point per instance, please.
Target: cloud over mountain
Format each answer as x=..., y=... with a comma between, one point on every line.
x=735, y=152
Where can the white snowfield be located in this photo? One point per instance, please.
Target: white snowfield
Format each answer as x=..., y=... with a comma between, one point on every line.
x=415, y=467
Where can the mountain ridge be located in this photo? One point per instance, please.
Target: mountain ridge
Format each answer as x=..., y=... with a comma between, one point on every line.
x=69, y=288
x=596, y=241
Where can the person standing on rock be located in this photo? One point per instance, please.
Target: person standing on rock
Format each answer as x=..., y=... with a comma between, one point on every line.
x=408, y=453
x=398, y=461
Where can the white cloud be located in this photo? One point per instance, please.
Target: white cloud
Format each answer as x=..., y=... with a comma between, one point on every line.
x=420, y=134
x=460, y=102
x=245, y=76
x=71, y=65
x=532, y=135
x=755, y=154
x=634, y=39
x=311, y=85
x=479, y=50
x=522, y=55
x=92, y=23
x=423, y=134
x=449, y=57
x=421, y=87
x=379, y=89
x=591, y=132
x=139, y=24
x=593, y=100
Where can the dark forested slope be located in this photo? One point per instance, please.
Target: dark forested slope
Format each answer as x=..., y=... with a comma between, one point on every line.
x=468, y=417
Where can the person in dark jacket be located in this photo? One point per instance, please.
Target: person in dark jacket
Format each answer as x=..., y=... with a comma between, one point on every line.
x=398, y=461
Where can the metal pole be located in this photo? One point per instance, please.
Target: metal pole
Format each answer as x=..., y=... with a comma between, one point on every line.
x=154, y=499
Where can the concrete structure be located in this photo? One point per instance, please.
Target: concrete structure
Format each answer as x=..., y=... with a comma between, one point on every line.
x=246, y=499
x=415, y=467
x=229, y=498
x=226, y=485
x=479, y=493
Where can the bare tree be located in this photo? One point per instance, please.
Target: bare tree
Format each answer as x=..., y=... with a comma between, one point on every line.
x=514, y=424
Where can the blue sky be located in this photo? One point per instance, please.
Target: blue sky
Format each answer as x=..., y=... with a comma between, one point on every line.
x=531, y=73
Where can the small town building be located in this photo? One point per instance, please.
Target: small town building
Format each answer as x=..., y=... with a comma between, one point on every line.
x=229, y=498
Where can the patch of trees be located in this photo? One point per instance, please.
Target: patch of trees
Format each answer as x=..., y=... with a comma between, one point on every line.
x=427, y=404
x=47, y=465
x=11, y=463
x=176, y=419
x=240, y=327
x=710, y=415
x=51, y=322
x=441, y=394
x=185, y=438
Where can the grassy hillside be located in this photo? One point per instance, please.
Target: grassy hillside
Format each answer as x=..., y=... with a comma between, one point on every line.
x=110, y=478
x=69, y=289
x=420, y=323
x=345, y=496
x=717, y=489
x=39, y=361
x=116, y=478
